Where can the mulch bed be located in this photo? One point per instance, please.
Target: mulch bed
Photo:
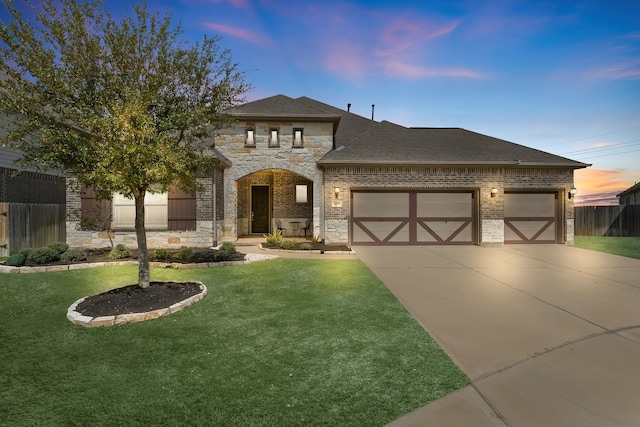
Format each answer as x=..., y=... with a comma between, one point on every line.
x=200, y=255
x=134, y=299
x=307, y=246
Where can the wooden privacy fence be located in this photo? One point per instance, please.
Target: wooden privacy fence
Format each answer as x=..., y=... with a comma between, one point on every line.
x=610, y=221
x=30, y=226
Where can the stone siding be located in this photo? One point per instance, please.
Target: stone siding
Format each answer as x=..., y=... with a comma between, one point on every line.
x=201, y=237
x=281, y=167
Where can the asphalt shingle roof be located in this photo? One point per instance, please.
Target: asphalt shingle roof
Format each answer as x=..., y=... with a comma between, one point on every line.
x=359, y=140
x=280, y=106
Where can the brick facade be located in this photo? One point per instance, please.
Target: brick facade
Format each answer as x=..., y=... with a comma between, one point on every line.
x=481, y=180
x=282, y=186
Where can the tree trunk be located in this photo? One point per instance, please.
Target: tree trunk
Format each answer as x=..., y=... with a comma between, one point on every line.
x=141, y=237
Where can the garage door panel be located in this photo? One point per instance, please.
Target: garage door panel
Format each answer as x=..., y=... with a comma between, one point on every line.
x=529, y=205
x=446, y=231
x=380, y=231
x=412, y=217
x=530, y=218
x=444, y=204
x=381, y=205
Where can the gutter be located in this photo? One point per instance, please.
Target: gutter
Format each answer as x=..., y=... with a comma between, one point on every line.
x=506, y=164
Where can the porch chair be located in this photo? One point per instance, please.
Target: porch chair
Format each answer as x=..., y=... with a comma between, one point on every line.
x=307, y=227
x=280, y=227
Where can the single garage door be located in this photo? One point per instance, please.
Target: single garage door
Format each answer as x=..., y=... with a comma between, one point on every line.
x=530, y=217
x=412, y=218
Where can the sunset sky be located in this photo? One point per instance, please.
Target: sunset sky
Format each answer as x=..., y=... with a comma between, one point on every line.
x=560, y=76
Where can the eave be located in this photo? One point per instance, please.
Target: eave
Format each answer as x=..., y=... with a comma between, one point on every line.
x=497, y=163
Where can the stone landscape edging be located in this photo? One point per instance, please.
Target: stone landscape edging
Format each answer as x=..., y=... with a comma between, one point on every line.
x=178, y=266
x=121, y=319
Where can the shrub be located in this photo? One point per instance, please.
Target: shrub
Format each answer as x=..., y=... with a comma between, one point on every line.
x=287, y=244
x=226, y=250
x=274, y=239
x=59, y=247
x=229, y=247
x=15, y=260
x=185, y=254
x=161, y=254
x=73, y=255
x=306, y=246
x=44, y=255
x=119, y=252
x=222, y=254
x=27, y=253
x=315, y=239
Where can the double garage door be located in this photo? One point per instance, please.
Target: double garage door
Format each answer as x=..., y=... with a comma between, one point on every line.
x=447, y=218
x=412, y=218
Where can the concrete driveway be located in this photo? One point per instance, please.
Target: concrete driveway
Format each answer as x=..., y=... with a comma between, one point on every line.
x=548, y=334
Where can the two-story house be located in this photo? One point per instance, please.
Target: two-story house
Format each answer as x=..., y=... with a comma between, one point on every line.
x=292, y=162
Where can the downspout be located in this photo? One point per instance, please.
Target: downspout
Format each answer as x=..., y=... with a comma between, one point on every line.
x=215, y=210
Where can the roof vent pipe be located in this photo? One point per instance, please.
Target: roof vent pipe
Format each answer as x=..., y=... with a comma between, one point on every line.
x=373, y=106
x=348, y=107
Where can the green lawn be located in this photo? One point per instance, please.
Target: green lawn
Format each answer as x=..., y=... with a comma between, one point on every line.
x=625, y=246
x=278, y=343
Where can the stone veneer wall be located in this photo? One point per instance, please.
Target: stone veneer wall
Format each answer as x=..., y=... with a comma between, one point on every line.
x=301, y=161
x=283, y=187
x=491, y=221
x=201, y=237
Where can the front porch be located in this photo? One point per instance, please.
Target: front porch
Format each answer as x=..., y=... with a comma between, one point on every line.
x=274, y=199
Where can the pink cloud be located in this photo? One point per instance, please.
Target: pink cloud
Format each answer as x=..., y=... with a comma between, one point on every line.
x=403, y=34
x=346, y=58
x=625, y=70
x=400, y=69
x=600, y=186
x=396, y=49
x=241, y=33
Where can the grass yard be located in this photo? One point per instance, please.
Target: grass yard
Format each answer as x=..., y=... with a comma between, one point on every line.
x=625, y=246
x=278, y=343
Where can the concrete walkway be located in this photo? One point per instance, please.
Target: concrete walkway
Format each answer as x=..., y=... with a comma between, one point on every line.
x=548, y=334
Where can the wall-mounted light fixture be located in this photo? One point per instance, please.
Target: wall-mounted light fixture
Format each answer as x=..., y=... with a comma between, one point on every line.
x=572, y=192
x=494, y=191
x=337, y=191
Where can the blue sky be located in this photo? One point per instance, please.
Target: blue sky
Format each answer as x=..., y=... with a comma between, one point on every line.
x=561, y=76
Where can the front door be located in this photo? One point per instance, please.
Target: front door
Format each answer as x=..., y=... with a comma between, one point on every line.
x=260, y=209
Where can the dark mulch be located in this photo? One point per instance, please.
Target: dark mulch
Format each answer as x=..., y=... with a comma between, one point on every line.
x=308, y=246
x=134, y=299
x=200, y=255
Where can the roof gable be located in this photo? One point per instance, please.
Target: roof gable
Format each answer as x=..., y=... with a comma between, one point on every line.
x=632, y=189
x=281, y=106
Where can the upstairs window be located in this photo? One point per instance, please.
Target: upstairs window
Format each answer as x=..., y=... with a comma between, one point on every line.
x=250, y=137
x=274, y=137
x=298, y=137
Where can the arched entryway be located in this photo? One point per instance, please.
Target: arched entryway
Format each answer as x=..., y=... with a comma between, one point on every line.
x=270, y=195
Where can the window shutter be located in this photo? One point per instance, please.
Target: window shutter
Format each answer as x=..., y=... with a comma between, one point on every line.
x=182, y=210
x=94, y=214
